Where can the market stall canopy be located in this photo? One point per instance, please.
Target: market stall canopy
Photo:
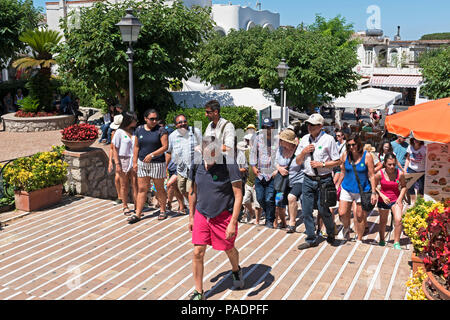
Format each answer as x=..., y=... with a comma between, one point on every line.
x=428, y=121
x=368, y=98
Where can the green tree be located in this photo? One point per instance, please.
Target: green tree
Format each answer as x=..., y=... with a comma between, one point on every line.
x=41, y=42
x=16, y=16
x=232, y=60
x=336, y=27
x=95, y=54
x=321, y=58
x=435, y=66
x=436, y=36
x=319, y=67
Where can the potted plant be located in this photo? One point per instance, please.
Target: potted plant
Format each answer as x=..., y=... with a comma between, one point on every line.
x=78, y=137
x=436, y=254
x=414, y=219
x=37, y=180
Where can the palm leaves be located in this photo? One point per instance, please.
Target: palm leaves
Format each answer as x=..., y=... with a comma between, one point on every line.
x=41, y=42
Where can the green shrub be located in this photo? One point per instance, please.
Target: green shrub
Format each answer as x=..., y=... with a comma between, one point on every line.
x=29, y=104
x=241, y=116
x=99, y=103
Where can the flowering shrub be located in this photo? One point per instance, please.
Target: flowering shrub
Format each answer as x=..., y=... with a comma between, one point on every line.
x=80, y=132
x=415, y=218
x=437, y=249
x=42, y=170
x=24, y=114
x=414, y=285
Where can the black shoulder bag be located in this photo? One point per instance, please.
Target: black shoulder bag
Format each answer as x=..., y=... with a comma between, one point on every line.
x=366, y=202
x=328, y=193
x=280, y=182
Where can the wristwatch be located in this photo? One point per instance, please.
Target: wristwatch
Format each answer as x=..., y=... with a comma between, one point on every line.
x=323, y=164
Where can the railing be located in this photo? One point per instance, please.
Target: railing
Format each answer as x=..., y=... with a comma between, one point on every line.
x=3, y=185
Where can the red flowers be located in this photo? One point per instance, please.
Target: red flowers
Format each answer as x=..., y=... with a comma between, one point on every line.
x=80, y=132
x=23, y=114
x=437, y=251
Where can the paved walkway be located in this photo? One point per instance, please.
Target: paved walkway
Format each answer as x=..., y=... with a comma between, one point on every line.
x=84, y=249
x=20, y=144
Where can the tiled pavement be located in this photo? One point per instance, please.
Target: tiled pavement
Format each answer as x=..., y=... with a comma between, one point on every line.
x=84, y=249
x=21, y=144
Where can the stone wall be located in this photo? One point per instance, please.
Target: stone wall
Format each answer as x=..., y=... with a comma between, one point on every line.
x=19, y=124
x=88, y=174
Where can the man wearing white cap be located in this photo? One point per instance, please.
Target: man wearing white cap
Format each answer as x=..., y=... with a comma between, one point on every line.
x=319, y=153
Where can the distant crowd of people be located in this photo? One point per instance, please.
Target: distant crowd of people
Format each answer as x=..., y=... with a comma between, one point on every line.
x=219, y=181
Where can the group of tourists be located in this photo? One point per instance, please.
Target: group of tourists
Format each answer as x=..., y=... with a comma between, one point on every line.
x=218, y=179
x=10, y=102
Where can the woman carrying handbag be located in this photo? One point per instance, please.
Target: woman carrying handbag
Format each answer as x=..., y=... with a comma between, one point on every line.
x=292, y=175
x=357, y=183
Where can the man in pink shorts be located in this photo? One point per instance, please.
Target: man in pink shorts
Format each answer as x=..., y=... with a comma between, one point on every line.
x=215, y=202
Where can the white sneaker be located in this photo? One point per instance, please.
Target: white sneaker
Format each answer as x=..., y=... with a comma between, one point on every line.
x=238, y=279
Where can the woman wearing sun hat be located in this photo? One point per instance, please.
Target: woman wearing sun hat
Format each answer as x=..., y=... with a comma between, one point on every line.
x=113, y=127
x=288, y=143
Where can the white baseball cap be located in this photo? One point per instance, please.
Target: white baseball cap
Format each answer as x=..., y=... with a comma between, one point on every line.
x=315, y=119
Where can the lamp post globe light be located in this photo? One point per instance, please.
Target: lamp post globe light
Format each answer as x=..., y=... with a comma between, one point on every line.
x=282, y=69
x=129, y=28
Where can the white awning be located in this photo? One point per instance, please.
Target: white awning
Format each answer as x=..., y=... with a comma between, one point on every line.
x=369, y=98
x=258, y=99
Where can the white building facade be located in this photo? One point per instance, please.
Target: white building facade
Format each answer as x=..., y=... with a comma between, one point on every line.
x=393, y=64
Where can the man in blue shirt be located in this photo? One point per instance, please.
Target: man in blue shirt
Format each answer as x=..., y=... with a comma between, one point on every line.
x=400, y=147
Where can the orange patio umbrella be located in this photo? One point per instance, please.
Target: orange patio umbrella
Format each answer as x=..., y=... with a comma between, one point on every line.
x=429, y=121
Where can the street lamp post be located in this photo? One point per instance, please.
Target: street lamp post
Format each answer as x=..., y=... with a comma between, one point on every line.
x=282, y=69
x=129, y=28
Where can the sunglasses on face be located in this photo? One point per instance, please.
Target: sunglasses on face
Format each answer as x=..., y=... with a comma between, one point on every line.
x=351, y=144
x=152, y=119
x=181, y=122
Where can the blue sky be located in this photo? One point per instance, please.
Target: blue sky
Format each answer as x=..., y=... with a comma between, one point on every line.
x=415, y=17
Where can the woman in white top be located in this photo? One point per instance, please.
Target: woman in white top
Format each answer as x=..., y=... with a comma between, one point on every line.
x=415, y=163
x=123, y=146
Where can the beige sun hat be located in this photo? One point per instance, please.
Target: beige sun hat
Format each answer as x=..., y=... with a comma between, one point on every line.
x=368, y=147
x=117, y=122
x=289, y=136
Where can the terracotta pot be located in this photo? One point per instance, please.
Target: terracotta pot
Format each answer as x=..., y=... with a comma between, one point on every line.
x=425, y=284
x=39, y=199
x=77, y=145
x=417, y=262
x=443, y=293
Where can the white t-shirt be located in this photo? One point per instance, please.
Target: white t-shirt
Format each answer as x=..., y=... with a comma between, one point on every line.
x=124, y=143
x=417, y=158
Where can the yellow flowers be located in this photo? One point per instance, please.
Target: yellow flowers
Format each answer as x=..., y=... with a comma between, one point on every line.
x=44, y=169
x=415, y=219
x=414, y=284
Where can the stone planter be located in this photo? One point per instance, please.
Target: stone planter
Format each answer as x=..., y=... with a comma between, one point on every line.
x=432, y=282
x=77, y=145
x=39, y=199
x=417, y=262
x=18, y=124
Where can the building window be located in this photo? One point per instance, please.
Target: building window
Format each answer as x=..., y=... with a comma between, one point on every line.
x=368, y=59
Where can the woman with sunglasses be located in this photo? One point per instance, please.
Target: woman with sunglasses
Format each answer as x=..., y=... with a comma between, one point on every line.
x=350, y=192
x=151, y=143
